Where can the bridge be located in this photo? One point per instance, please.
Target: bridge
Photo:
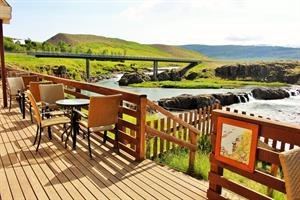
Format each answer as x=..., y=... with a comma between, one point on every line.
x=119, y=58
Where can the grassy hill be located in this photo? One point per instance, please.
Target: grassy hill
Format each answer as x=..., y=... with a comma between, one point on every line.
x=104, y=45
x=78, y=43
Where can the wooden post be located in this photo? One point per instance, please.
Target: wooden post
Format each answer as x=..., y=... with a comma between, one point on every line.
x=155, y=68
x=87, y=69
x=192, y=156
x=141, y=123
x=3, y=69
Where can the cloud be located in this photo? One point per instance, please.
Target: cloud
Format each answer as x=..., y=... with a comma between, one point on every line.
x=138, y=11
x=243, y=38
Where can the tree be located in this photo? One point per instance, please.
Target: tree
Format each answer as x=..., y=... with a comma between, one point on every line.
x=89, y=51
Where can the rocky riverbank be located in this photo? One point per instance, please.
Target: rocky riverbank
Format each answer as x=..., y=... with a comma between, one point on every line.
x=187, y=102
x=286, y=72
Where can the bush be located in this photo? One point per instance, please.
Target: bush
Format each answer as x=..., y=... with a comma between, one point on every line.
x=204, y=145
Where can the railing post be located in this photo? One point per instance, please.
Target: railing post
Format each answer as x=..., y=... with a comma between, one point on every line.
x=141, y=123
x=3, y=69
x=214, y=188
x=87, y=69
x=192, y=154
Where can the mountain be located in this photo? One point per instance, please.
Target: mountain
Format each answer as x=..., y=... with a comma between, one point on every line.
x=105, y=45
x=238, y=52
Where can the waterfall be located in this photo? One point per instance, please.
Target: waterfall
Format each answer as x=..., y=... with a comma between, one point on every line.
x=244, y=98
x=250, y=96
x=239, y=98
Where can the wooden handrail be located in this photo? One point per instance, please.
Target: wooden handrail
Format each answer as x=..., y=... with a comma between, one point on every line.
x=170, y=138
x=173, y=117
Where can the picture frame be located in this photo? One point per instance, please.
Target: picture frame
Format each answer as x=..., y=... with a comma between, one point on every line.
x=236, y=143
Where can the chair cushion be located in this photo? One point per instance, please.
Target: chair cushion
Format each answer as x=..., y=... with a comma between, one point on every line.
x=96, y=129
x=290, y=162
x=55, y=121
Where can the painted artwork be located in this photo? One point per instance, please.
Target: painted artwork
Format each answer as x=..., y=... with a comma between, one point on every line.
x=236, y=143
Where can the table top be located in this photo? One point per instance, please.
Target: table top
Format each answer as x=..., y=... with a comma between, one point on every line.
x=73, y=102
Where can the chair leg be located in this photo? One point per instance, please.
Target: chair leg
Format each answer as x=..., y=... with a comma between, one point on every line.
x=68, y=134
x=89, y=143
x=39, y=142
x=65, y=132
x=30, y=110
x=37, y=133
x=117, y=138
x=49, y=133
x=105, y=137
x=10, y=103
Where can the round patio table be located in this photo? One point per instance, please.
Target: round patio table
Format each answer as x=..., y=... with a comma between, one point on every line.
x=73, y=104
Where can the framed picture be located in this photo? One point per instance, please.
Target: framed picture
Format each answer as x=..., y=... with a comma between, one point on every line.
x=236, y=143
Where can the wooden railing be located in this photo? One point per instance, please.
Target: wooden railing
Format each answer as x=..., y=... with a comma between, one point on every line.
x=170, y=131
x=132, y=118
x=274, y=137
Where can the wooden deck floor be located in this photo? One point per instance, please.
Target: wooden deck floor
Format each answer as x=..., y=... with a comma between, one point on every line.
x=58, y=173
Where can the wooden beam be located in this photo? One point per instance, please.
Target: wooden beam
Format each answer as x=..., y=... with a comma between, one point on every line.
x=3, y=70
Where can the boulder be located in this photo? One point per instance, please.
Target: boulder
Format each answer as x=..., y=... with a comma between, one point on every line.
x=191, y=76
x=163, y=76
x=131, y=78
x=226, y=99
x=267, y=94
x=187, y=101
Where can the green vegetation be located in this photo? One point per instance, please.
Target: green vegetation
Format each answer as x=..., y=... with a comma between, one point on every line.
x=178, y=159
x=204, y=83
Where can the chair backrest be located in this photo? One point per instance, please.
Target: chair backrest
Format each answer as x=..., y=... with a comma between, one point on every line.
x=35, y=107
x=50, y=93
x=28, y=79
x=15, y=84
x=290, y=162
x=35, y=89
x=103, y=110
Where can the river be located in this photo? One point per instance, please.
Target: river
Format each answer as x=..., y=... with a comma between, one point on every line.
x=287, y=110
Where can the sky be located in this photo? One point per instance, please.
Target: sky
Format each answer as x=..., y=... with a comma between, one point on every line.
x=174, y=22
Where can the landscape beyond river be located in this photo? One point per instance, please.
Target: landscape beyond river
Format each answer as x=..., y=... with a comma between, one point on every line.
x=287, y=109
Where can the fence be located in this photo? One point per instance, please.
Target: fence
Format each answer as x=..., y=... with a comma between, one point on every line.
x=168, y=132
x=274, y=137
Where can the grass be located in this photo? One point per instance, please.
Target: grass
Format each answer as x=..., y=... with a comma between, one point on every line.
x=178, y=159
x=203, y=83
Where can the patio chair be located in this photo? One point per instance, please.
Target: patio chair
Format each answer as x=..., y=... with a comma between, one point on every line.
x=15, y=87
x=28, y=79
x=50, y=93
x=35, y=91
x=102, y=115
x=43, y=123
x=290, y=162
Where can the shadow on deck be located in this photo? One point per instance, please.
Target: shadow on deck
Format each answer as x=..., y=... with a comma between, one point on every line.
x=58, y=173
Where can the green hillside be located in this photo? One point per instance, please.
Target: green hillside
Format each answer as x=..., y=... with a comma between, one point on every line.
x=104, y=45
x=90, y=44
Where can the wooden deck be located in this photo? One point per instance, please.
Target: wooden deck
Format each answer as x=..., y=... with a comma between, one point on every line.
x=58, y=173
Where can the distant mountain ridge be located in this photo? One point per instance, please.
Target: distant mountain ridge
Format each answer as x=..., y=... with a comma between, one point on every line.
x=239, y=52
x=105, y=45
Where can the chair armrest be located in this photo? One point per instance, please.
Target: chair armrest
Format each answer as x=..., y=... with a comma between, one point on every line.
x=81, y=113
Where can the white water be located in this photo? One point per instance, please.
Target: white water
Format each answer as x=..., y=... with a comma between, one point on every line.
x=287, y=110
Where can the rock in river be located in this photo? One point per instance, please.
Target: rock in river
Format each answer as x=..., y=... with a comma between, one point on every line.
x=267, y=94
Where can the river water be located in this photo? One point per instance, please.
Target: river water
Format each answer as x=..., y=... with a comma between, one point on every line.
x=287, y=110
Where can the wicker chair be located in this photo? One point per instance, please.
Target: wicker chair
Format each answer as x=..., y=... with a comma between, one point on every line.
x=290, y=162
x=103, y=115
x=50, y=93
x=28, y=79
x=35, y=91
x=43, y=123
x=15, y=88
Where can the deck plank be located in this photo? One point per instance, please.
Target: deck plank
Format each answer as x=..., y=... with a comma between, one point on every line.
x=58, y=173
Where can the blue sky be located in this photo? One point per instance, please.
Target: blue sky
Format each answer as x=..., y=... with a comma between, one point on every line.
x=273, y=22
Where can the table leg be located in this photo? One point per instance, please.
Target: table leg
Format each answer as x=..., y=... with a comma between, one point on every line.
x=23, y=104
x=74, y=125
